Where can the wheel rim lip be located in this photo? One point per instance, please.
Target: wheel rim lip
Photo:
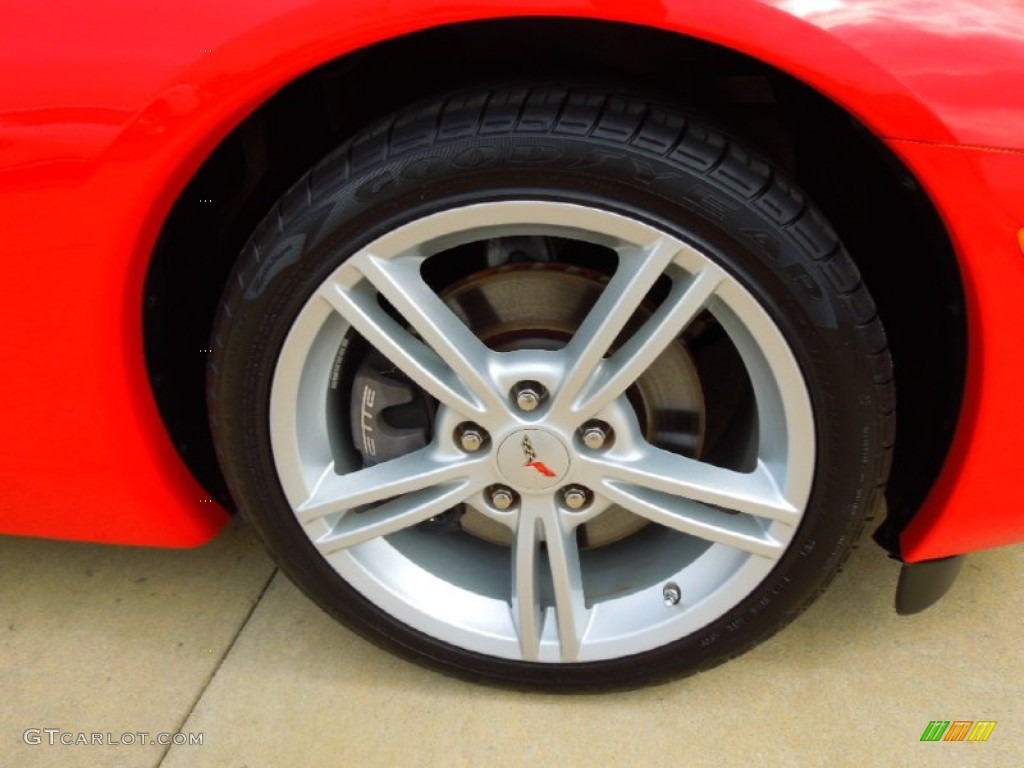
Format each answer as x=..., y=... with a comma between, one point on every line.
x=388, y=578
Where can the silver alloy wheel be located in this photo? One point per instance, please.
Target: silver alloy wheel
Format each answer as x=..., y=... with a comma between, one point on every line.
x=717, y=534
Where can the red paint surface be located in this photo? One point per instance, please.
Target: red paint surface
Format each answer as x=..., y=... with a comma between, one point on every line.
x=108, y=107
x=979, y=499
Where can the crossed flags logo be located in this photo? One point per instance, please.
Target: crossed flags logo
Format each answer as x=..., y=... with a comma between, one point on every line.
x=531, y=458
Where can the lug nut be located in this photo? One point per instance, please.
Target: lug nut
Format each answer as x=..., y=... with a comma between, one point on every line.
x=471, y=438
x=671, y=594
x=528, y=396
x=502, y=498
x=594, y=436
x=574, y=497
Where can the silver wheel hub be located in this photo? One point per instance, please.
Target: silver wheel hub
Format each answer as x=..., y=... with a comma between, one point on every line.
x=713, y=519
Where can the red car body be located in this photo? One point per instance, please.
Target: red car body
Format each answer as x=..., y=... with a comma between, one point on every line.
x=109, y=109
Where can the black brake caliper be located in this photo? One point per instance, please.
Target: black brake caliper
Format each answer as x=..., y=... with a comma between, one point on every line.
x=391, y=416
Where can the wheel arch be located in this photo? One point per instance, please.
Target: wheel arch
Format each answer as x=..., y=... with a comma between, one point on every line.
x=887, y=221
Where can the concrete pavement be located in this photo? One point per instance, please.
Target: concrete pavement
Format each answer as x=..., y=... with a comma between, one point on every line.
x=213, y=641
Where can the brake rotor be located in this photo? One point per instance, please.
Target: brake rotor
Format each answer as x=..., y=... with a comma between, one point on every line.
x=536, y=305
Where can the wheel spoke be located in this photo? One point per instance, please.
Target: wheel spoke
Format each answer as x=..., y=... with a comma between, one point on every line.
x=409, y=354
x=567, y=578
x=636, y=274
x=400, y=282
x=696, y=519
x=357, y=527
x=752, y=493
x=526, y=609
x=539, y=520
x=614, y=375
x=443, y=356
x=413, y=472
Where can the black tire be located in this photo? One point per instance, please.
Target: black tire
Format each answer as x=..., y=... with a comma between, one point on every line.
x=623, y=155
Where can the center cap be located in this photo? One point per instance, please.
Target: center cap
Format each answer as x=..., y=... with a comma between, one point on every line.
x=533, y=459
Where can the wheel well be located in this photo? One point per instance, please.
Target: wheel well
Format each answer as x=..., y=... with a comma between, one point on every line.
x=887, y=222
